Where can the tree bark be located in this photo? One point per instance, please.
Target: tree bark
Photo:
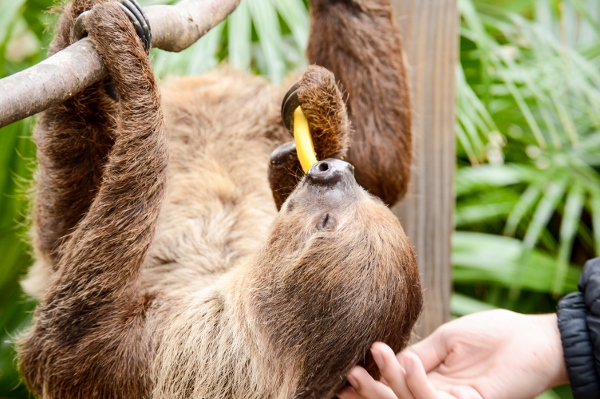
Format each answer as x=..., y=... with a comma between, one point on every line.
x=430, y=35
x=71, y=70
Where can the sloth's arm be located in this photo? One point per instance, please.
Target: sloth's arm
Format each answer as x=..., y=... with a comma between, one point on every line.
x=88, y=339
x=325, y=111
x=73, y=140
x=358, y=41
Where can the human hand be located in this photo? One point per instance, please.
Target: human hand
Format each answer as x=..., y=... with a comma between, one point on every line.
x=493, y=355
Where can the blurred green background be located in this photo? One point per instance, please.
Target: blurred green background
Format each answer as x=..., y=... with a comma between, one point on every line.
x=528, y=143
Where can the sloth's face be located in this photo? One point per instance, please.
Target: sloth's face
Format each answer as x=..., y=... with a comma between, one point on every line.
x=324, y=194
x=331, y=221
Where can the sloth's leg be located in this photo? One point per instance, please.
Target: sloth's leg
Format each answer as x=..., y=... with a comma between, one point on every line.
x=358, y=41
x=90, y=337
x=73, y=140
x=325, y=111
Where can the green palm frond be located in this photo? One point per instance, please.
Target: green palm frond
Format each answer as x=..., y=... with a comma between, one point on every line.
x=267, y=37
x=538, y=81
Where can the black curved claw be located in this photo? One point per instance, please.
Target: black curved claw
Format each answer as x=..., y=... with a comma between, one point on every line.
x=79, y=29
x=288, y=106
x=139, y=20
x=284, y=154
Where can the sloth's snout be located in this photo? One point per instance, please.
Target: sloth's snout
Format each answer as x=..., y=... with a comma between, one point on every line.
x=329, y=172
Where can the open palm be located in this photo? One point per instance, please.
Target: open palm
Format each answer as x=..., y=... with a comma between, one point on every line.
x=492, y=355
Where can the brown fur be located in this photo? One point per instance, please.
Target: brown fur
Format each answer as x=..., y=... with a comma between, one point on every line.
x=199, y=288
x=360, y=44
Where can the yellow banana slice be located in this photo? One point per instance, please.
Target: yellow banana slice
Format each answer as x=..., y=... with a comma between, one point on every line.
x=304, y=144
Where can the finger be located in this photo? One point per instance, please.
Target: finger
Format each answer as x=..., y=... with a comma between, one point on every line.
x=348, y=393
x=464, y=392
x=445, y=395
x=448, y=389
x=416, y=377
x=391, y=371
x=431, y=351
x=367, y=388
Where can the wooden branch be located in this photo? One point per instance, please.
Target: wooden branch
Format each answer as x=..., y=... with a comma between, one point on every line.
x=71, y=70
x=430, y=33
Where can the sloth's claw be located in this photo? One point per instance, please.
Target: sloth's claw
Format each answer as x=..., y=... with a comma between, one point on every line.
x=134, y=12
x=288, y=106
x=139, y=20
x=284, y=154
x=79, y=29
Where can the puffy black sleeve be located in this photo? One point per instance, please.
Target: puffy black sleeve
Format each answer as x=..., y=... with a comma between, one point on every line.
x=579, y=325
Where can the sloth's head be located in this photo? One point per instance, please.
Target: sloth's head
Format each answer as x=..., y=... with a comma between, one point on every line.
x=347, y=272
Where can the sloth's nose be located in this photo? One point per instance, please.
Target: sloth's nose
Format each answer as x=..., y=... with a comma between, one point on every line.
x=329, y=171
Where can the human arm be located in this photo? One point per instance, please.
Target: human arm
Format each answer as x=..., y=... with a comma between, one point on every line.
x=494, y=354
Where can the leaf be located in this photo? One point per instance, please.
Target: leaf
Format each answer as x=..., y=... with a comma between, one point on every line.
x=568, y=230
x=485, y=177
x=553, y=192
x=9, y=12
x=549, y=395
x=462, y=305
x=595, y=205
x=527, y=201
x=240, y=37
x=205, y=55
x=295, y=16
x=267, y=27
x=478, y=257
x=463, y=138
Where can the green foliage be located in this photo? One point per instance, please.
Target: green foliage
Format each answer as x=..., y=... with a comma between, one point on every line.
x=266, y=37
x=22, y=38
x=16, y=152
x=529, y=145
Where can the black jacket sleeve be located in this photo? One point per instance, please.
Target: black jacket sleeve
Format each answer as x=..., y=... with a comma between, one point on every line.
x=579, y=325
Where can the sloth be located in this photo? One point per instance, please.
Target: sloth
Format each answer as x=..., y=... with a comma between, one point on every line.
x=182, y=253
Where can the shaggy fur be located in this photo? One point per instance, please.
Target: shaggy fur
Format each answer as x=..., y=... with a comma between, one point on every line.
x=199, y=288
x=360, y=44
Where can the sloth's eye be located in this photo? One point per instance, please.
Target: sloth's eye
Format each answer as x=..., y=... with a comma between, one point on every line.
x=326, y=222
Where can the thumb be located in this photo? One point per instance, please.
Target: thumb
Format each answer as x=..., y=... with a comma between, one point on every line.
x=431, y=351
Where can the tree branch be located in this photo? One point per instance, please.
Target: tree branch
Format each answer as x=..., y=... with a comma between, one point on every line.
x=174, y=28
